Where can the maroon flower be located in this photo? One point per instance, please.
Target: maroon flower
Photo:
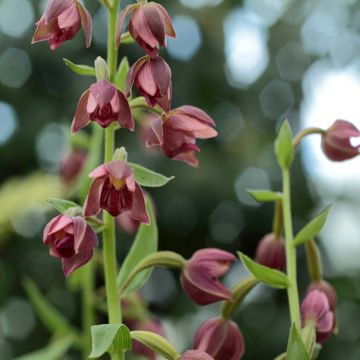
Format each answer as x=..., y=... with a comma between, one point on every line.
x=220, y=338
x=61, y=21
x=196, y=355
x=103, y=103
x=327, y=289
x=270, y=252
x=71, y=165
x=315, y=310
x=72, y=239
x=336, y=141
x=149, y=25
x=152, y=79
x=177, y=131
x=114, y=189
x=200, y=276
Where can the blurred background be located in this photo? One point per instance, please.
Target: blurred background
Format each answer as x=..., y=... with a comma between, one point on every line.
x=249, y=64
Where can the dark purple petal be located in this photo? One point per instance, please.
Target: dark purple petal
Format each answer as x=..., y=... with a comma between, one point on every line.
x=71, y=264
x=169, y=27
x=155, y=21
x=125, y=119
x=86, y=23
x=92, y=202
x=121, y=21
x=81, y=118
x=55, y=7
x=138, y=210
x=155, y=134
x=132, y=74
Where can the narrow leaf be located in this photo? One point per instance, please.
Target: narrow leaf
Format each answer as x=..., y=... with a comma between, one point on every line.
x=62, y=205
x=313, y=228
x=146, y=243
x=52, y=319
x=149, y=178
x=265, y=195
x=54, y=351
x=97, y=224
x=120, y=79
x=296, y=348
x=283, y=146
x=268, y=276
x=109, y=338
x=80, y=69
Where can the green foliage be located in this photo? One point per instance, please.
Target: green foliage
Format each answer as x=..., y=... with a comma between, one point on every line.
x=296, y=349
x=283, y=146
x=268, y=276
x=120, y=79
x=313, y=228
x=265, y=195
x=109, y=338
x=80, y=69
x=146, y=243
x=62, y=205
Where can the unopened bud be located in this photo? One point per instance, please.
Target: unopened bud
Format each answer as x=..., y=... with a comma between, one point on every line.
x=101, y=69
x=120, y=154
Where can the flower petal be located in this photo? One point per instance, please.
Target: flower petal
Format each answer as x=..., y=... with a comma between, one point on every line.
x=92, y=202
x=71, y=264
x=138, y=210
x=86, y=22
x=133, y=71
x=55, y=7
x=81, y=118
x=155, y=133
x=103, y=92
x=43, y=31
x=125, y=119
x=79, y=232
x=155, y=21
x=69, y=17
x=169, y=27
x=121, y=21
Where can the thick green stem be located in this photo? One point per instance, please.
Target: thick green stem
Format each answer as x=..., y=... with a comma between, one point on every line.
x=278, y=219
x=293, y=294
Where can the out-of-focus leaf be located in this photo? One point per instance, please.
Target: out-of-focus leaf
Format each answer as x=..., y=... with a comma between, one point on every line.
x=148, y=178
x=296, y=348
x=265, y=195
x=80, y=69
x=62, y=205
x=146, y=243
x=283, y=146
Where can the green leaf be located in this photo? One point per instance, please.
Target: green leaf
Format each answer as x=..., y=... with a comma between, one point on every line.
x=265, y=195
x=268, y=276
x=296, y=348
x=52, y=319
x=120, y=79
x=146, y=243
x=283, y=146
x=80, y=69
x=149, y=178
x=54, y=351
x=62, y=205
x=109, y=338
x=313, y=228
x=97, y=224
x=126, y=38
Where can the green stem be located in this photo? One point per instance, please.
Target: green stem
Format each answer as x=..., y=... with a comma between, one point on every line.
x=306, y=132
x=278, y=219
x=292, y=290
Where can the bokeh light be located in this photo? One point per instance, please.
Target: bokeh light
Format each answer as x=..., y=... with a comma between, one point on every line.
x=8, y=121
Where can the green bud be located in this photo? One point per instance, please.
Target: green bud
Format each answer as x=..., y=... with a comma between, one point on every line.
x=101, y=69
x=308, y=335
x=120, y=154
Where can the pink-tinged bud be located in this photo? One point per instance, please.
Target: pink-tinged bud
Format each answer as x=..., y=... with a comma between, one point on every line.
x=103, y=103
x=177, y=131
x=72, y=239
x=336, y=141
x=71, y=165
x=61, y=21
x=196, y=355
x=220, y=338
x=152, y=79
x=270, y=252
x=149, y=25
x=200, y=276
x=327, y=289
x=315, y=310
x=114, y=189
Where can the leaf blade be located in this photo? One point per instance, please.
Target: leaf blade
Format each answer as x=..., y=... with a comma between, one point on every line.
x=264, y=195
x=83, y=70
x=149, y=178
x=296, y=349
x=283, y=145
x=61, y=205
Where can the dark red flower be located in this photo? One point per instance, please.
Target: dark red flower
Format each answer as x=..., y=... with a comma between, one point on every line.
x=103, y=103
x=200, y=276
x=114, y=189
x=336, y=141
x=61, y=21
x=220, y=338
x=149, y=25
x=71, y=165
x=177, y=131
x=270, y=252
x=72, y=239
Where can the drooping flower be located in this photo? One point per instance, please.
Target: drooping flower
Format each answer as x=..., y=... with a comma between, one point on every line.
x=327, y=289
x=200, y=276
x=114, y=189
x=149, y=25
x=196, y=355
x=61, y=21
x=177, y=131
x=220, y=338
x=270, y=252
x=336, y=141
x=103, y=103
x=71, y=165
x=152, y=79
x=72, y=239
x=315, y=310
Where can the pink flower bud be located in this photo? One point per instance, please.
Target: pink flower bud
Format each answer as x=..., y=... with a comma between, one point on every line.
x=327, y=289
x=270, y=252
x=315, y=309
x=71, y=165
x=61, y=21
x=71, y=239
x=200, y=276
x=177, y=131
x=220, y=338
x=149, y=25
x=336, y=142
x=196, y=355
x=114, y=189
x=152, y=79
x=103, y=103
